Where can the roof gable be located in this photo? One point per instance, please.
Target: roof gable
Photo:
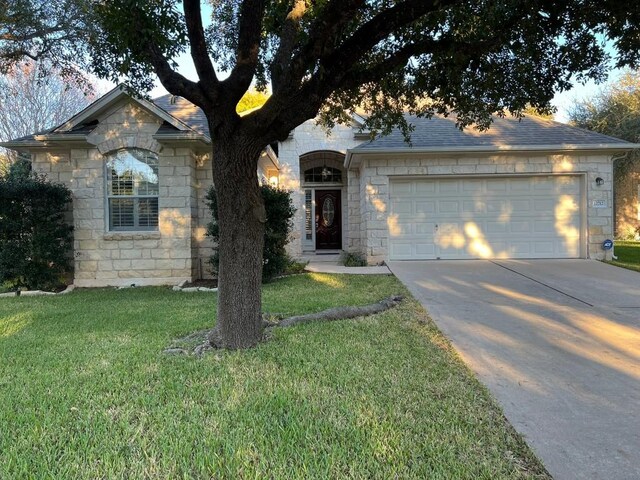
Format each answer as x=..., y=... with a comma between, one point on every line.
x=108, y=101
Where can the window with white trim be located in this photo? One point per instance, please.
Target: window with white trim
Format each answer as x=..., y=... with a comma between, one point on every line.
x=132, y=190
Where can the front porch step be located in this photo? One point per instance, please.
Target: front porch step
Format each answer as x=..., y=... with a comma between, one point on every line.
x=321, y=258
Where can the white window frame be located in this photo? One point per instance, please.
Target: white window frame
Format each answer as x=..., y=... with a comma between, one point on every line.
x=136, y=227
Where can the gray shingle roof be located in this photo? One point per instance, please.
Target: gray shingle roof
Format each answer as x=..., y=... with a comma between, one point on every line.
x=185, y=111
x=441, y=133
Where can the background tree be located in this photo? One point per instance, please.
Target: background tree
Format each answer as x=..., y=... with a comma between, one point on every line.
x=615, y=111
x=328, y=57
x=34, y=98
x=51, y=33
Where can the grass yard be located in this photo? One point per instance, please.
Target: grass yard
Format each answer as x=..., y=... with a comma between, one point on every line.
x=628, y=254
x=86, y=393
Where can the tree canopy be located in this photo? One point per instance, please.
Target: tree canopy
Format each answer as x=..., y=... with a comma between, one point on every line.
x=53, y=33
x=387, y=56
x=614, y=111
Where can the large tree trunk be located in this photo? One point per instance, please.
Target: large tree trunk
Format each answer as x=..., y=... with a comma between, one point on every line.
x=241, y=218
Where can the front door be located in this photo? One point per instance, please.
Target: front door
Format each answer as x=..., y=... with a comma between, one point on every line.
x=328, y=220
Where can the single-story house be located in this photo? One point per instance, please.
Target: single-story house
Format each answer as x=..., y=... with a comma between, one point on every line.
x=139, y=171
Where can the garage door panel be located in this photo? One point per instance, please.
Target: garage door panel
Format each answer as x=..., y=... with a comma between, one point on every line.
x=544, y=226
x=474, y=206
x=424, y=206
x=518, y=226
x=527, y=217
x=422, y=188
x=519, y=185
x=545, y=204
x=401, y=206
x=400, y=188
x=498, y=186
x=493, y=228
x=425, y=228
x=448, y=206
x=544, y=248
x=471, y=187
x=448, y=187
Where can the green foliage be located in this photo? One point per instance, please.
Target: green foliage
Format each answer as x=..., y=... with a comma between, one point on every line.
x=35, y=240
x=474, y=58
x=53, y=34
x=250, y=100
x=353, y=259
x=280, y=211
x=126, y=30
x=295, y=267
x=547, y=114
x=614, y=111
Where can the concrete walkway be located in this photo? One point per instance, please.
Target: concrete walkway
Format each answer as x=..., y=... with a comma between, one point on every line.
x=334, y=267
x=557, y=343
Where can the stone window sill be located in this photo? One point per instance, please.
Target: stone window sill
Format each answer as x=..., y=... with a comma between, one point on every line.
x=115, y=236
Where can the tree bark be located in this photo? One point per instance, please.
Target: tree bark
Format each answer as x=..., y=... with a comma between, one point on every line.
x=241, y=218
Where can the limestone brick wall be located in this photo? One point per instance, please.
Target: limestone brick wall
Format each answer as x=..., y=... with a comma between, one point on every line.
x=354, y=219
x=104, y=258
x=375, y=173
x=308, y=137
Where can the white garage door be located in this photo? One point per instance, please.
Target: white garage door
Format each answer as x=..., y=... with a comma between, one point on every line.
x=512, y=217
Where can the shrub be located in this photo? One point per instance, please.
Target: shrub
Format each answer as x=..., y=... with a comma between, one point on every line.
x=353, y=259
x=295, y=267
x=278, y=226
x=35, y=240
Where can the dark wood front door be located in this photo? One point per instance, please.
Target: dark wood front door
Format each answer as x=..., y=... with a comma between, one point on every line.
x=328, y=220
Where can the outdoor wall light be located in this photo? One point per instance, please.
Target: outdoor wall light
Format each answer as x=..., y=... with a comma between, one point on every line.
x=599, y=181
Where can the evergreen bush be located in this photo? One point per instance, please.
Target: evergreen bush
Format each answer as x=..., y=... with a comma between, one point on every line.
x=35, y=239
x=278, y=227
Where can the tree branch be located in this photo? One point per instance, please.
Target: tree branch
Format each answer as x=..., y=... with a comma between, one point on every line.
x=249, y=36
x=288, y=35
x=174, y=82
x=323, y=34
x=401, y=57
x=376, y=30
x=198, y=44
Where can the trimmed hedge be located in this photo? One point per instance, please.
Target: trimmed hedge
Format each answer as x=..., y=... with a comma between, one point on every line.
x=35, y=239
x=278, y=227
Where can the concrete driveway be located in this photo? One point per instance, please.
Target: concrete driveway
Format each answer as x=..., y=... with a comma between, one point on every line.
x=558, y=344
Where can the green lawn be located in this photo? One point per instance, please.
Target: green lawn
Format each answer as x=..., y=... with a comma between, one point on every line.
x=85, y=392
x=628, y=254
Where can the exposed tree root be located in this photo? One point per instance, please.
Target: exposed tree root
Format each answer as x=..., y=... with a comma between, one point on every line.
x=343, y=313
x=205, y=340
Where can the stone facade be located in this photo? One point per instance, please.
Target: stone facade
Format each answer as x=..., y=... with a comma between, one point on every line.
x=179, y=249
x=121, y=258
x=309, y=137
x=376, y=170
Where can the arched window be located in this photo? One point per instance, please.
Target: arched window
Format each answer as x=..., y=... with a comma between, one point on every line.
x=132, y=190
x=322, y=175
